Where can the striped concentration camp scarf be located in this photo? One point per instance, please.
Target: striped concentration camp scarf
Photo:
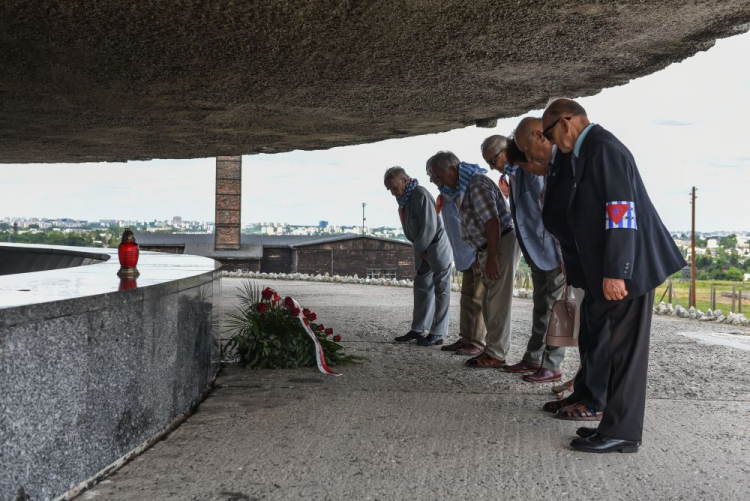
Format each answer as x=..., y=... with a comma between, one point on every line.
x=465, y=172
x=411, y=185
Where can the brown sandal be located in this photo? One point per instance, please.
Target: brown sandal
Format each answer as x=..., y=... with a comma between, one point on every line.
x=578, y=412
x=485, y=361
x=556, y=405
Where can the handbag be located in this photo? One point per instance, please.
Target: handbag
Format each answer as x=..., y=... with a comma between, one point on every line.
x=562, y=322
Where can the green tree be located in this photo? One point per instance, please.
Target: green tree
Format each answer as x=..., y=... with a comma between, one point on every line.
x=734, y=274
x=703, y=261
x=729, y=242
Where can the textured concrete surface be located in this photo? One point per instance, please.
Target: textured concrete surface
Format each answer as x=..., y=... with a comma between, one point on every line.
x=416, y=424
x=91, y=81
x=87, y=377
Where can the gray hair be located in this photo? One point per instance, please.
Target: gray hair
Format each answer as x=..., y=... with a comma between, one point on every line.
x=395, y=171
x=442, y=161
x=495, y=143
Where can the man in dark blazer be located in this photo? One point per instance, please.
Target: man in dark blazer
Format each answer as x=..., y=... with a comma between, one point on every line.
x=433, y=258
x=589, y=396
x=626, y=252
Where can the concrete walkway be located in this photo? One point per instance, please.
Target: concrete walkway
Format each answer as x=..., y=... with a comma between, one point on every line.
x=416, y=424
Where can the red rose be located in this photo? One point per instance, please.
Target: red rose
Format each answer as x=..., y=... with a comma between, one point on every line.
x=267, y=293
x=289, y=302
x=295, y=311
x=321, y=327
x=307, y=322
x=329, y=331
x=306, y=312
x=312, y=316
x=262, y=308
x=336, y=338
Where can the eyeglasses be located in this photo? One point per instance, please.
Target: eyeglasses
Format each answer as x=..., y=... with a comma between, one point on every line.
x=491, y=162
x=548, y=131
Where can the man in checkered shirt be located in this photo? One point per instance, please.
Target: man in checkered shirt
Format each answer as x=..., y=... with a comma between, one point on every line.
x=487, y=226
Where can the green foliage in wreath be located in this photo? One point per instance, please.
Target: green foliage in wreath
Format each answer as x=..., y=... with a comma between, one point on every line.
x=267, y=333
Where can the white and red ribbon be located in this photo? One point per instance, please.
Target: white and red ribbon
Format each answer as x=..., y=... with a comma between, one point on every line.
x=319, y=356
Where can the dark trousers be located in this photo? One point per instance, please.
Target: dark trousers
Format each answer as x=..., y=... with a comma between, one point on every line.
x=548, y=288
x=591, y=382
x=630, y=327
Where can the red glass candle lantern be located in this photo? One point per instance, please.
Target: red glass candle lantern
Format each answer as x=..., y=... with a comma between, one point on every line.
x=127, y=283
x=128, y=254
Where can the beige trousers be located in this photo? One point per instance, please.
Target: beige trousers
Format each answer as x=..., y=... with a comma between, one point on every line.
x=472, y=328
x=499, y=295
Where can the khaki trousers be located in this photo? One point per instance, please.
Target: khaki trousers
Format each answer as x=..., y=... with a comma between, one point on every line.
x=499, y=295
x=472, y=328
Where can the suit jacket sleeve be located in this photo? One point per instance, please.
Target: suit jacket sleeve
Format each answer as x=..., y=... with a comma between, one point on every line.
x=620, y=233
x=424, y=210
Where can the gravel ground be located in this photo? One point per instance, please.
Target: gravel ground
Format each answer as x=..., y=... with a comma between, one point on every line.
x=414, y=423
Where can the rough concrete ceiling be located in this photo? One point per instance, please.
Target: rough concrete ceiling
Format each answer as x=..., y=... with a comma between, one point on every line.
x=90, y=81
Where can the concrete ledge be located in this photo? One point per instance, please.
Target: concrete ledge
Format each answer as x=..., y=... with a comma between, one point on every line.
x=88, y=371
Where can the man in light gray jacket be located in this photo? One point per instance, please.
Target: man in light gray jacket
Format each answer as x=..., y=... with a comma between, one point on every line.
x=432, y=258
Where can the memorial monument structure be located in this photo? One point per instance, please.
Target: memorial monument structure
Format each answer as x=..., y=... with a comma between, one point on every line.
x=89, y=368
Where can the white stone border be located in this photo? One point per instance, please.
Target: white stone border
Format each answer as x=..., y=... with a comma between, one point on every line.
x=716, y=316
x=522, y=293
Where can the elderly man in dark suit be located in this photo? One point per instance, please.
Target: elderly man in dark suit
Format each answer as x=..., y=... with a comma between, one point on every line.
x=626, y=252
x=589, y=397
x=432, y=256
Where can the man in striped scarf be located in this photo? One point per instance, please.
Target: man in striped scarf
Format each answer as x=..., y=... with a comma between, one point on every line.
x=432, y=257
x=472, y=330
x=486, y=225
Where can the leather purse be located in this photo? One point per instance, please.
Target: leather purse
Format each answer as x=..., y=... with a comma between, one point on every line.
x=562, y=322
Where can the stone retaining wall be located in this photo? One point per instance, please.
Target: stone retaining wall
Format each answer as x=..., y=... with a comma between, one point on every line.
x=84, y=381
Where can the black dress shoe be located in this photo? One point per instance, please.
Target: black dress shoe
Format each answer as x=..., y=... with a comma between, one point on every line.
x=430, y=340
x=585, y=431
x=600, y=444
x=411, y=335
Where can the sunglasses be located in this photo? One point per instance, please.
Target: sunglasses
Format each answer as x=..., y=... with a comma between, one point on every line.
x=491, y=162
x=548, y=131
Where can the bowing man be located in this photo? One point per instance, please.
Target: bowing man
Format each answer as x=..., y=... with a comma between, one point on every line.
x=625, y=251
x=432, y=257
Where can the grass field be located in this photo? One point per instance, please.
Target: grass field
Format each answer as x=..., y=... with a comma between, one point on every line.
x=681, y=294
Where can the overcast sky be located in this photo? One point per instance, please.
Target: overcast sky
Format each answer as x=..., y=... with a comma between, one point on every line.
x=687, y=125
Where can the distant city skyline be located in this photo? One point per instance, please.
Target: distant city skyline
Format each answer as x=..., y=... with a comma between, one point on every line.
x=683, y=125
x=210, y=223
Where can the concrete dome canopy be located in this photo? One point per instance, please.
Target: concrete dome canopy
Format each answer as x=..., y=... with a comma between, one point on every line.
x=85, y=81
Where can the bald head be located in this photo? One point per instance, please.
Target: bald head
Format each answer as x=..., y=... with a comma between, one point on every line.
x=563, y=121
x=526, y=127
x=563, y=107
x=531, y=142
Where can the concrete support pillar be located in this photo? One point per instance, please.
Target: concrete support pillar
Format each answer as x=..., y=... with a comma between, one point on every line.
x=228, y=203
